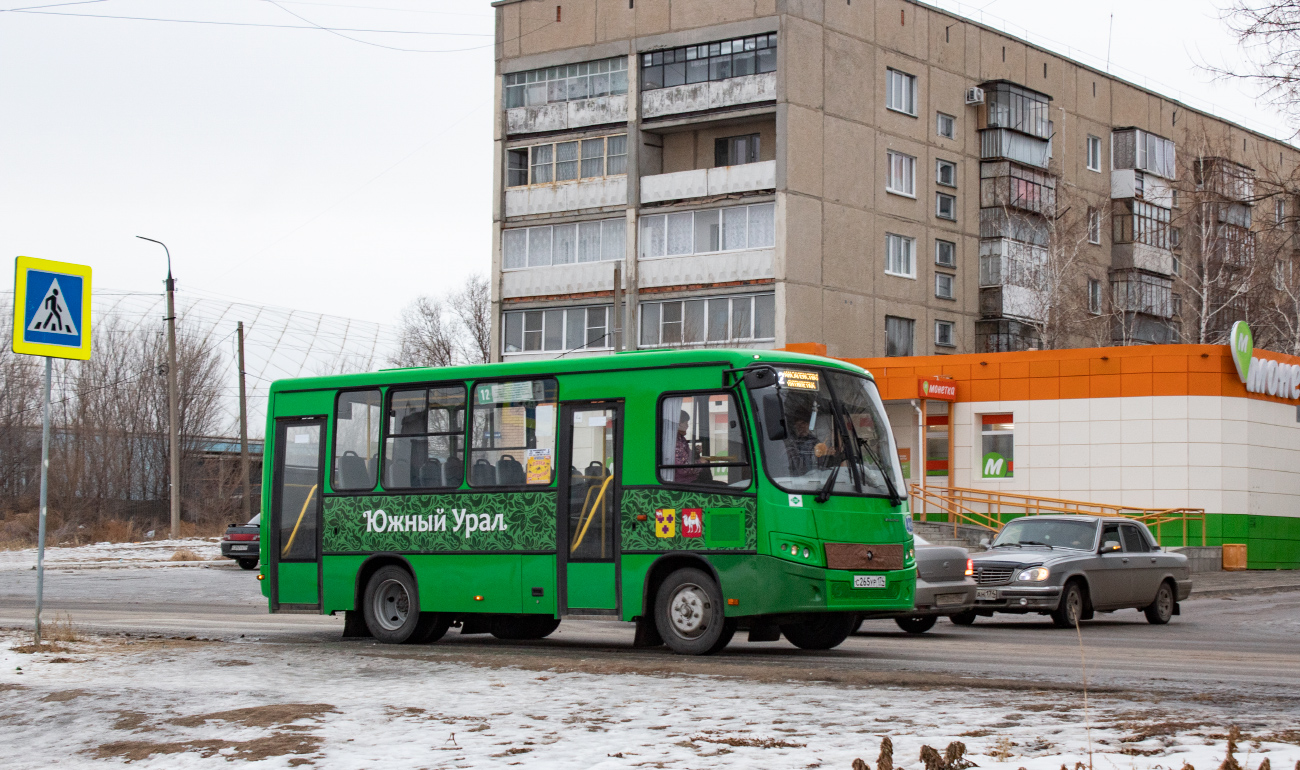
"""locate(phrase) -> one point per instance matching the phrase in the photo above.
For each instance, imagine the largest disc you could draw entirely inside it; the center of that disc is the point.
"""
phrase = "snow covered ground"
(154, 553)
(167, 703)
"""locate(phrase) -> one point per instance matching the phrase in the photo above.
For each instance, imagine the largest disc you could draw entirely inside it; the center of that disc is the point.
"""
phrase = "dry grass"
(60, 629)
(185, 554)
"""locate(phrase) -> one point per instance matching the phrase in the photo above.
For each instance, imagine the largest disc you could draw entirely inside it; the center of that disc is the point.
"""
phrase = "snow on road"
(164, 703)
(154, 553)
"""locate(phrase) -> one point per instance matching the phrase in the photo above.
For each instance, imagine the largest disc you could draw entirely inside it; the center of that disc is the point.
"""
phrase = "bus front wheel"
(689, 613)
(392, 609)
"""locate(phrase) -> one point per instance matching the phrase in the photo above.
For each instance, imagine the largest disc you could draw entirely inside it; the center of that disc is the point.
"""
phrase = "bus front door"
(588, 527)
(296, 507)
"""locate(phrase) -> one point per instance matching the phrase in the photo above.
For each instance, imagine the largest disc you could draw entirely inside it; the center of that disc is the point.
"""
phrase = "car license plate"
(239, 548)
(986, 595)
(947, 600)
(868, 581)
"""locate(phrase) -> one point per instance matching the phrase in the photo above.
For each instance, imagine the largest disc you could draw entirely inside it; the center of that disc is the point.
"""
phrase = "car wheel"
(1068, 613)
(1162, 609)
(524, 627)
(689, 614)
(392, 609)
(821, 632)
(917, 624)
(248, 563)
(966, 618)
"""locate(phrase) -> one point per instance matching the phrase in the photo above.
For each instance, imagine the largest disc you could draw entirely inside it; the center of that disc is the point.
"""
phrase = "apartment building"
(878, 176)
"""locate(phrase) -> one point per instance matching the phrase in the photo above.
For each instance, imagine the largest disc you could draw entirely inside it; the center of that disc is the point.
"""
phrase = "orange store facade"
(1161, 426)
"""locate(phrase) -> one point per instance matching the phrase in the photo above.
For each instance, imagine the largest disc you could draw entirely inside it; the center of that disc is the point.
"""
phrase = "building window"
(599, 241)
(943, 283)
(898, 336)
(945, 206)
(998, 446)
(1279, 211)
(709, 230)
(1094, 225)
(902, 174)
(945, 126)
(593, 158)
(946, 173)
(1094, 296)
(943, 334)
(735, 150)
(567, 82)
(1140, 222)
(557, 329)
(708, 320)
(710, 61)
(900, 255)
(1094, 153)
(900, 92)
(945, 253)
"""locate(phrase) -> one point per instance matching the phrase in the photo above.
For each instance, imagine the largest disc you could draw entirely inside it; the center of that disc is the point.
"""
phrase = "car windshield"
(834, 424)
(1057, 533)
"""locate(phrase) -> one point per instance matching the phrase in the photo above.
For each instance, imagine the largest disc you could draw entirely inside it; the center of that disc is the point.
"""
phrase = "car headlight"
(1037, 574)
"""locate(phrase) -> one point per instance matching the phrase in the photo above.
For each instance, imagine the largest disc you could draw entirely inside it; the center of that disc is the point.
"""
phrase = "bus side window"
(425, 444)
(512, 441)
(357, 416)
(701, 442)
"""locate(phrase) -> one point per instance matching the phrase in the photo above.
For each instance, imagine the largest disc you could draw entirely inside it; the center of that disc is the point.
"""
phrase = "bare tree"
(426, 335)
(473, 308)
(1268, 32)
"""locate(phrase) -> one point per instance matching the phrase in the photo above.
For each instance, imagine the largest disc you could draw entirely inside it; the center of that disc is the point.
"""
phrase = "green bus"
(692, 492)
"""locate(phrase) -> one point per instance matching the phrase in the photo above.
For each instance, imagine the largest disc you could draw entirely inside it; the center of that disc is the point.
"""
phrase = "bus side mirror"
(760, 378)
(773, 417)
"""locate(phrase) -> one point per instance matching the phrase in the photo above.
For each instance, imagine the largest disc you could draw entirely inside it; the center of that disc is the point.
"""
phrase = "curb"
(1220, 593)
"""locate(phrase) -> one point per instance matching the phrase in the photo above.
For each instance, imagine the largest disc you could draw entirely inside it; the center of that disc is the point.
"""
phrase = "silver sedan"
(943, 587)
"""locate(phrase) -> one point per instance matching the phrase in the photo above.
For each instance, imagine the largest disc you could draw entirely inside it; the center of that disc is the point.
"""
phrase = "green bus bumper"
(767, 585)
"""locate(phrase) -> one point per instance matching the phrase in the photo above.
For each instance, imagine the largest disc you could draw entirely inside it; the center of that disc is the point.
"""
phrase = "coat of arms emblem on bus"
(692, 522)
(665, 522)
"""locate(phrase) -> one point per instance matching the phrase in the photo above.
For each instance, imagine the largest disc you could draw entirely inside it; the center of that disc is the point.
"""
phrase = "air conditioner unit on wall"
(974, 95)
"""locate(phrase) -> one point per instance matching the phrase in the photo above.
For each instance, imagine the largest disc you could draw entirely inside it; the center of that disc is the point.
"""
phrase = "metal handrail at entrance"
(989, 509)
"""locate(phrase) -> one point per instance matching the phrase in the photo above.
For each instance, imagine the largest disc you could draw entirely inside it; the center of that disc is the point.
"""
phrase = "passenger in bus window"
(683, 455)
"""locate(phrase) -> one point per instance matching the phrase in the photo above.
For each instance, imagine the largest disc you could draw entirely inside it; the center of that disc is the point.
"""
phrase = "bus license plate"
(986, 595)
(868, 581)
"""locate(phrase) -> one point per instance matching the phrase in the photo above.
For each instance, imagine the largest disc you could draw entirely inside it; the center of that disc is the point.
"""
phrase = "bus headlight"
(1037, 574)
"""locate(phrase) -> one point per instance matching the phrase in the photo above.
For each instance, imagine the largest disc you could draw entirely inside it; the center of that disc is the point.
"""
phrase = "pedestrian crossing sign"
(51, 309)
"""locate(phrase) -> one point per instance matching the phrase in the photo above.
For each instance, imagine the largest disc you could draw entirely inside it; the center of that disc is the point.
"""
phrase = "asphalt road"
(1218, 647)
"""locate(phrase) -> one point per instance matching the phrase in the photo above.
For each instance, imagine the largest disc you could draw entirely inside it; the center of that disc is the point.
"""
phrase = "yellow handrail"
(310, 493)
(590, 514)
(960, 505)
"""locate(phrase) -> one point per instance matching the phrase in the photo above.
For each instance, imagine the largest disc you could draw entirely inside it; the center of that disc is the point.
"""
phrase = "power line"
(381, 8)
(309, 25)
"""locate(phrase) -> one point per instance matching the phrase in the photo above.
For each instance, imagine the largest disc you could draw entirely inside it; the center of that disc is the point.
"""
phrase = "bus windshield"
(831, 424)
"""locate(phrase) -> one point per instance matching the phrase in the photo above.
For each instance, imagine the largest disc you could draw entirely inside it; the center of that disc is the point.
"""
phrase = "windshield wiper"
(825, 494)
(894, 497)
(1034, 542)
(1006, 545)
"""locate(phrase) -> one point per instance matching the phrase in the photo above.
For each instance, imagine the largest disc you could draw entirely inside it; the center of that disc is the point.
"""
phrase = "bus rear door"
(587, 555)
(296, 512)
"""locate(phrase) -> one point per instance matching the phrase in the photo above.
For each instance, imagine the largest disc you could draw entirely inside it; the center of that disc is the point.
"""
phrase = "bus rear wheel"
(392, 610)
(689, 614)
(821, 632)
(524, 627)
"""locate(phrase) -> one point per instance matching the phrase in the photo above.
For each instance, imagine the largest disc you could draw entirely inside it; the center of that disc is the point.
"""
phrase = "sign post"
(51, 319)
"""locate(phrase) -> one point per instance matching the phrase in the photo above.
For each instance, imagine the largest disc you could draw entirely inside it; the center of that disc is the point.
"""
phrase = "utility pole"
(173, 429)
(243, 429)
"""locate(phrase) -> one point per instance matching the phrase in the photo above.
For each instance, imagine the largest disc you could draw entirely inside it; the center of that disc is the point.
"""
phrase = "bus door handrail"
(589, 514)
(310, 494)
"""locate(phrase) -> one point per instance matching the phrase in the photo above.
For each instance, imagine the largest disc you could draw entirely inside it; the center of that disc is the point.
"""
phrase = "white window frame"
(938, 125)
(939, 200)
(617, 236)
(952, 334)
(1092, 153)
(939, 166)
(661, 221)
(951, 282)
(900, 255)
(906, 174)
(938, 247)
(1094, 225)
(606, 343)
(1094, 296)
(554, 160)
(900, 92)
(734, 303)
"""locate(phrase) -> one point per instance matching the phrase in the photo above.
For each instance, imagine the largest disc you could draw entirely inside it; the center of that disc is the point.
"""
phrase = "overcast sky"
(299, 168)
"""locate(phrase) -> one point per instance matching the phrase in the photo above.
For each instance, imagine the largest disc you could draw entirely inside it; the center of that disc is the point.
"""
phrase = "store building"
(880, 176)
(1146, 427)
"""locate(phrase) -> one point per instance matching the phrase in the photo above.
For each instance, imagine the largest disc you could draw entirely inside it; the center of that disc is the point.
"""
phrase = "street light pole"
(173, 429)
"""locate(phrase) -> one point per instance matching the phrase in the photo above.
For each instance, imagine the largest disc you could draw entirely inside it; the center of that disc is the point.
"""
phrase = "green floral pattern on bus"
(641, 536)
(515, 521)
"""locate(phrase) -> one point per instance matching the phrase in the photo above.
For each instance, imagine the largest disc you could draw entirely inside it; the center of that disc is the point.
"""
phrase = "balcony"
(1135, 149)
(1142, 256)
(558, 279)
(1225, 178)
(563, 116)
(706, 182)
(1008, 185)
(1132, 183)
(1133, 291)
(1005, 262)
(1013, 302)
(1005, 336)
(1004, 144)
(718, 268)
(567, 196)
(708, 95)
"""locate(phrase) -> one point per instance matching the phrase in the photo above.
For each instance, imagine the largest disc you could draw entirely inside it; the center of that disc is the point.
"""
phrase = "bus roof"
(644, 359)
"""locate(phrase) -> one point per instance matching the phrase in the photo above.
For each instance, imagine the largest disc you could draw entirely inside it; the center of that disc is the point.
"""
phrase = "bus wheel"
(392, 607)
(689, 614)
(524, 627)
(821, 632)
